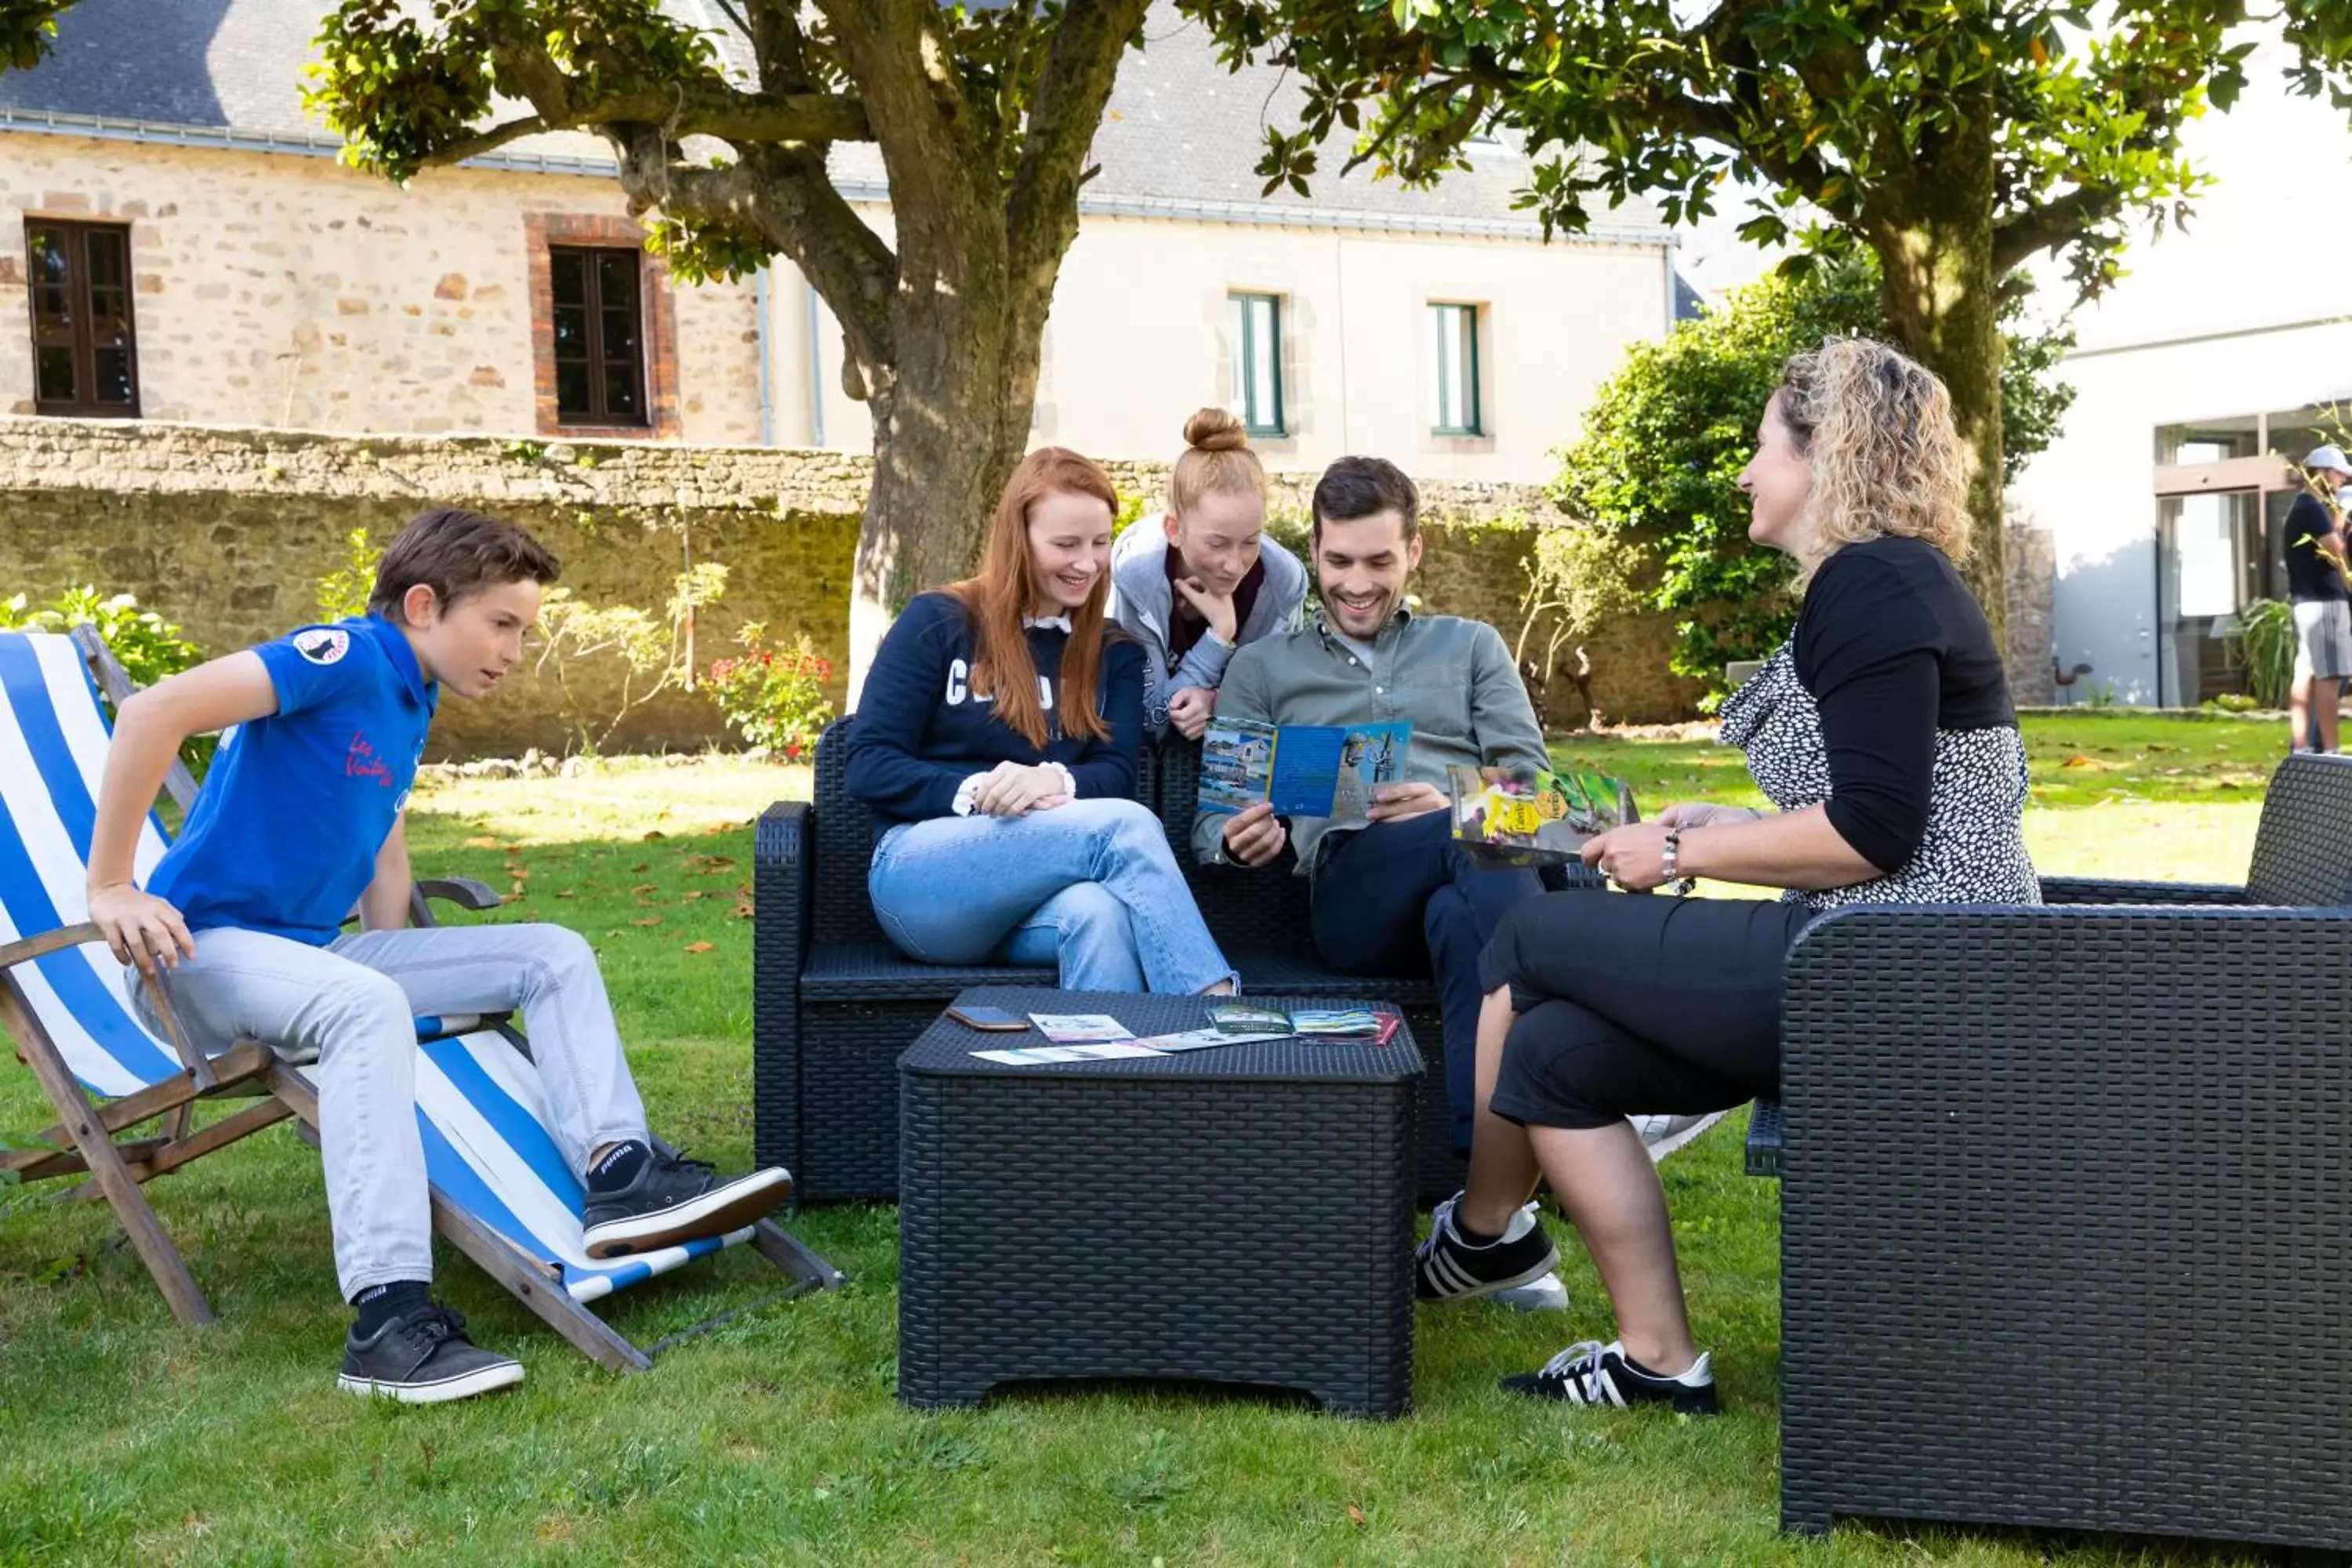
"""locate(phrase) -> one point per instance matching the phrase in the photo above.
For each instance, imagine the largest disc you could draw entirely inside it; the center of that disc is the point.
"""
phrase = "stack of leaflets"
(1099, 1037)
(1530, 816)
(1305, 770)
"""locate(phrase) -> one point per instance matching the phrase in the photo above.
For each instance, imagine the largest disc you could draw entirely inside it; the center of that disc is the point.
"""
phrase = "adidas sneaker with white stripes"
(1518, 1268)
(1589, 1372)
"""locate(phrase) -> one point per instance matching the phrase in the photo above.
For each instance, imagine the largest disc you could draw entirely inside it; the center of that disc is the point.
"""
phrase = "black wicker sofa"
(834, 1003)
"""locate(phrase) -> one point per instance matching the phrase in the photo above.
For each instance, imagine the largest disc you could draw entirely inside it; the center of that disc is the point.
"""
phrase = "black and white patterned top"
(1900, 657)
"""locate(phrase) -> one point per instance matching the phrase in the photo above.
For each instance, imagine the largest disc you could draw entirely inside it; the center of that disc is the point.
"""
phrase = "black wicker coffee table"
(1239, 1215)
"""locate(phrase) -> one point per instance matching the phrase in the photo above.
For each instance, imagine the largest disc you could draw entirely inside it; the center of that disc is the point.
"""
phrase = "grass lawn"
(124, 1437)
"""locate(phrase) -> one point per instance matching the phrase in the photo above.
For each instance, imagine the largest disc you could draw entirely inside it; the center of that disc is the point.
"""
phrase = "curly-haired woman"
(1883, 733)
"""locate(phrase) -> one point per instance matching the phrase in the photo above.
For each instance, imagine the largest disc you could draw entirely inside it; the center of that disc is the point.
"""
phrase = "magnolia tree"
(983, 116)
(1953, 142)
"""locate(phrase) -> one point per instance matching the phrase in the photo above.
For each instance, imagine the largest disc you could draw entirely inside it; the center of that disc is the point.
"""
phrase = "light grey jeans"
(354, 1005)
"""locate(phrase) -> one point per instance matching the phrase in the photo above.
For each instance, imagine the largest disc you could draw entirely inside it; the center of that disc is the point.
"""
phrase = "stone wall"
(228, 531)
(277, 290)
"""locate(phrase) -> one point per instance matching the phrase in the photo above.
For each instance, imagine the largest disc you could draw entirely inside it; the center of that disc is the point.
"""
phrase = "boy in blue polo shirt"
(300, 822)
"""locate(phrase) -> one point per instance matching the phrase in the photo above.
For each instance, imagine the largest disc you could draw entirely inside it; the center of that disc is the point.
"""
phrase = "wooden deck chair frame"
(87, 1137)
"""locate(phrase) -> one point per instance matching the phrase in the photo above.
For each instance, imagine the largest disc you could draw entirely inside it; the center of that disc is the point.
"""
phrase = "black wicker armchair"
(2067, 1201)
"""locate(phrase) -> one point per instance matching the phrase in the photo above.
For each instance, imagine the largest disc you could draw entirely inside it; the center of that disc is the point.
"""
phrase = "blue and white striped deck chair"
(502, 1193)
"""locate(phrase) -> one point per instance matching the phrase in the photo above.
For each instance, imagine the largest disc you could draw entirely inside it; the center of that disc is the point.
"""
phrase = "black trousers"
(1401, 898)
(1631, 1005)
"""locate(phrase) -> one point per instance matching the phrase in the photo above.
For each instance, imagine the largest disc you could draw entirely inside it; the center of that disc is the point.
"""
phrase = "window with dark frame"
(85, 360)
(1258, 363)
(600, 358)
(1454, 406)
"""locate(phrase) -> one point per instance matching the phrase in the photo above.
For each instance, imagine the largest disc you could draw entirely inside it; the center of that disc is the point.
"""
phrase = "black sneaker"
(672, 1200)
(424, 1358)
(1447, 1268)
(1594, 1373)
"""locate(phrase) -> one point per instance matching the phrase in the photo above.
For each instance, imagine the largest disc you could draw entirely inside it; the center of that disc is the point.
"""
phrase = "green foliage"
(774, 698)
(28, 30)
(2265, 645)
(148, 646)
(1656, 467)
(1578, 577)
(343, 591)
(651, 648)
(1826, 107)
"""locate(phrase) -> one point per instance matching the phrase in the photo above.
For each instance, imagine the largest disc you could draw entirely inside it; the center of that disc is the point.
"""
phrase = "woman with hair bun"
(1208, 581)
(1883, 733)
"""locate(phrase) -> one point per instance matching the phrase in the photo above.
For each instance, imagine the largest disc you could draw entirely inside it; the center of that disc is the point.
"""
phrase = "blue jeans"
(1091, 886)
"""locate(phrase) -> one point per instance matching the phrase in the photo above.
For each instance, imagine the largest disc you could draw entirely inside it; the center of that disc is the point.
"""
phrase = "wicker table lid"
(945, 1049)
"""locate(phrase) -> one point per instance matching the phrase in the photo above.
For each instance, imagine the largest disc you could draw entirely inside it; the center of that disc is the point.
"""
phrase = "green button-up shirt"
(1453, 679)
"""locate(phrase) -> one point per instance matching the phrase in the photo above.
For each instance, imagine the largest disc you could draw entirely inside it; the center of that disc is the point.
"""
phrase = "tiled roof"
(1182, 132)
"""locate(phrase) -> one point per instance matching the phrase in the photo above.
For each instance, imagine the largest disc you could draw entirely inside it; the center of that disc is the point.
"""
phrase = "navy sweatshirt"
(920, 733)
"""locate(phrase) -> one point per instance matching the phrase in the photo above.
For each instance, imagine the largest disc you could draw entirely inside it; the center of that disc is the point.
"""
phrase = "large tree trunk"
(1933, 236)
(943, 444)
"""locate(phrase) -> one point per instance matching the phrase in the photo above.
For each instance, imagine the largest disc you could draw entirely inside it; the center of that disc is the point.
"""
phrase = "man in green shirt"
(1395, 894)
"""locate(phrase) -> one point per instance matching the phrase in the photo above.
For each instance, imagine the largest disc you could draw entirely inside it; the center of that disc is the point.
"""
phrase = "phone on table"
(992, 1019)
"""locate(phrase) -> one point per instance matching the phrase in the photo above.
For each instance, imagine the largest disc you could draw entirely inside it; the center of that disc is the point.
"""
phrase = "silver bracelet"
(1673, 855)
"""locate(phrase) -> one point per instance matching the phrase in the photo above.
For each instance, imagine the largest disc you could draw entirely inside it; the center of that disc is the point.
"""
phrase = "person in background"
(1207, 580)
(996, 742)
(2321, 598)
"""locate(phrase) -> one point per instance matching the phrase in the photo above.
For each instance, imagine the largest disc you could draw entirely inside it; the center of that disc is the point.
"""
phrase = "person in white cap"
(2321, 588)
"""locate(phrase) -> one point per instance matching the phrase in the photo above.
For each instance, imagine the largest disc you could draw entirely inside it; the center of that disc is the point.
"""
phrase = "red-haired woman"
(996, 742)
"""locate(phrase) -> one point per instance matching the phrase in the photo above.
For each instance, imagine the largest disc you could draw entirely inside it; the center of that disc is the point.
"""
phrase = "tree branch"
(2017, 238)
(1074, 87)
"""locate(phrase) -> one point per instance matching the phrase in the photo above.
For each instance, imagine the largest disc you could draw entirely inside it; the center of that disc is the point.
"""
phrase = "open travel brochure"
(1530, 816)
(1306, 770)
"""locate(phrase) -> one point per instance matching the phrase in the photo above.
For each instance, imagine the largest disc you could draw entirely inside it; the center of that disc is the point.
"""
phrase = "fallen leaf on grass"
(1355, 1514)
(485, 844)
(700, 946)
(692, 894)
(641, 866)
(714, 862)
(648, 920)
(563, 892)
(741, 911)
(657, 833)
(646, 888)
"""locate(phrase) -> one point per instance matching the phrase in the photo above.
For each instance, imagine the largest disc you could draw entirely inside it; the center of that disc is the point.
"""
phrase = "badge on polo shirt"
(322, 645)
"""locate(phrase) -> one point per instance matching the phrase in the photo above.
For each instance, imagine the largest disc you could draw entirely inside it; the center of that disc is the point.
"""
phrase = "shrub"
(148, 646)
(652, 649)
(1666, 436)
(2265, 639)
(773, 697)
(342, 593)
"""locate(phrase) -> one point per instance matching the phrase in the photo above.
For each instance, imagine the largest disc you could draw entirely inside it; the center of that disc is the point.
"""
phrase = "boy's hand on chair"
(139, 927)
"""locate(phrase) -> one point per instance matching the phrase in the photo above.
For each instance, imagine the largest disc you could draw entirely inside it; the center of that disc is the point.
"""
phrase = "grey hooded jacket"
(1142, 600)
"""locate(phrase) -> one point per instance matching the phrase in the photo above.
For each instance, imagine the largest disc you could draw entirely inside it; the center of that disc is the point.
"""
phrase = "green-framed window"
(1257, 363)
(1454, 386)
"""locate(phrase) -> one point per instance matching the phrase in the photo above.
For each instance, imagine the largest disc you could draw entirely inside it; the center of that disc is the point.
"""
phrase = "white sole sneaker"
(1549, 1294)
(723, 1209)
(481, 1380)
(1664, 1134)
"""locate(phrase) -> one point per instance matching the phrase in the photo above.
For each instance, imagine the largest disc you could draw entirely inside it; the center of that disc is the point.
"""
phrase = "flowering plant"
(773, 697)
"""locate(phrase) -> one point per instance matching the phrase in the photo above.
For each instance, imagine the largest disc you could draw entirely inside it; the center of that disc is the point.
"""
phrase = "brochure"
(1240, 1018)
(1333, 1023)
(1201, 1040)
(1035, 1056)
(1306, 770)
(1529, 817)
(1080, 1028)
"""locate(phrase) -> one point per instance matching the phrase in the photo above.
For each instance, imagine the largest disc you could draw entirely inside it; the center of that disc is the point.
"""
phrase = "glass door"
(2212, 559)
